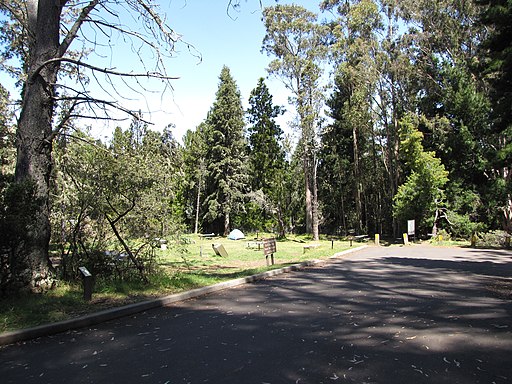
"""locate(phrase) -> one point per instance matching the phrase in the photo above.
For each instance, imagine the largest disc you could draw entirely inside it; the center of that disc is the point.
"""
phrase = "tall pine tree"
(266, 158)
(266, 154)
(226, 180)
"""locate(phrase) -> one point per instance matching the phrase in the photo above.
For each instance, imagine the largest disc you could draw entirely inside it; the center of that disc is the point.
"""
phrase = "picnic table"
(206, 236)
(254, 244)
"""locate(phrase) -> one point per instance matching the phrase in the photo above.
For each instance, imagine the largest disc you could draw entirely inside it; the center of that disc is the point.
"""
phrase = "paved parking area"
(382, 315)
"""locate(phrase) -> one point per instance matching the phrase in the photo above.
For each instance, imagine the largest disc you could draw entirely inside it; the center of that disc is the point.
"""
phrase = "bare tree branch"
(108, 71)
(64, 46)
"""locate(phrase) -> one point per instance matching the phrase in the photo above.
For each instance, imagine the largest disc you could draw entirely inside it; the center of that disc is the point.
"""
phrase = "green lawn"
(195, 266)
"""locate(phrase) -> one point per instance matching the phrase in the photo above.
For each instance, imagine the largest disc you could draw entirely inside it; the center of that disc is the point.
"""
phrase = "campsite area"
(190, 264)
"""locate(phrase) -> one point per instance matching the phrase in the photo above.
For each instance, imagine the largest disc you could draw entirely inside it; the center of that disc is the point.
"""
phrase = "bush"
(493, 239)
(461, 226)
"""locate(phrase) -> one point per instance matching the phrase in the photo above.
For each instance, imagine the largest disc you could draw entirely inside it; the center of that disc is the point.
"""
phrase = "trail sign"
(411, 227)
(269, 248)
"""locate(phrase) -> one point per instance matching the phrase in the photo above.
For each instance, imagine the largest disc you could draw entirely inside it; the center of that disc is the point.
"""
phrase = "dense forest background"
(403, 111)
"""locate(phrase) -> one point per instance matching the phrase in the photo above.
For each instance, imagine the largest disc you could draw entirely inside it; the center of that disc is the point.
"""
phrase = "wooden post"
(87, 279)
(377, 239)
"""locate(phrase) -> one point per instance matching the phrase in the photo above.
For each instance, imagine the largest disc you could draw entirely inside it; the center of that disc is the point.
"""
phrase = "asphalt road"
(382, 315)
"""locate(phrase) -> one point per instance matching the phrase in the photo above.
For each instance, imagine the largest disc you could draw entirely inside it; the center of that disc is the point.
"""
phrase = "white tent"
(236, 234)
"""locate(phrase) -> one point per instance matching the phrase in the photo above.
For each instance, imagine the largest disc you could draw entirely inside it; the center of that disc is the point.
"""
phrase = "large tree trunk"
(314, 205)
(198, 204)
(281, 227)
(309, 203)
(34, 144)
(507, 215)
(507, 208)
(312, 222)
(357, 183)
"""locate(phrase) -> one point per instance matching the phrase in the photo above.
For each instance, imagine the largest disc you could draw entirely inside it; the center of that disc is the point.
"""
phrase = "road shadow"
(364, 320)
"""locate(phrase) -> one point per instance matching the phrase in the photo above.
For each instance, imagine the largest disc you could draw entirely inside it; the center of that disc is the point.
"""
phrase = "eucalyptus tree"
(40, 35)
(496, 55)
(347, 142)
(297, 41)
(225, 160)
(445, 41)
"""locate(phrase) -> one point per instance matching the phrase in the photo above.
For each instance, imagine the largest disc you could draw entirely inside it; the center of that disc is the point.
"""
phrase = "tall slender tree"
(353, 50)
(296, 40)
(226, 164)
(266, 153)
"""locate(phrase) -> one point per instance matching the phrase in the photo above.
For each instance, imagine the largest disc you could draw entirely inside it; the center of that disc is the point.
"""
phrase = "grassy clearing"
(195, 266)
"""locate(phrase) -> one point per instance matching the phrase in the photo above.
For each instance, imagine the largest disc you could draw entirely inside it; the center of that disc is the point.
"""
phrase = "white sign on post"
(411, 227)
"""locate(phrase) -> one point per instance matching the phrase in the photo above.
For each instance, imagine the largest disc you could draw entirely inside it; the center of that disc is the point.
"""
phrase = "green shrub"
(493, 239)
(461, 226)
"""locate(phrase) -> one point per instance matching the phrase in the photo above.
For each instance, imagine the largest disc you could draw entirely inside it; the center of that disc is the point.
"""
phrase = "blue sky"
(220, 37)
(232, 39)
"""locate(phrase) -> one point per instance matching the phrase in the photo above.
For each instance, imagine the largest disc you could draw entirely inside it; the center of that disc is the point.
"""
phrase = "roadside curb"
(114, 313)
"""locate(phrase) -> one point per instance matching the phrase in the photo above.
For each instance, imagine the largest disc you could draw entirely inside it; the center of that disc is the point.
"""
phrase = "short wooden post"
(406, 239)
(87, 280)
(377, 239)
(351, 233)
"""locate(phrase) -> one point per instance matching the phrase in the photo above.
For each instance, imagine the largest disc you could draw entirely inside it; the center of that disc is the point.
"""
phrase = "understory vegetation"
(189, 263)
